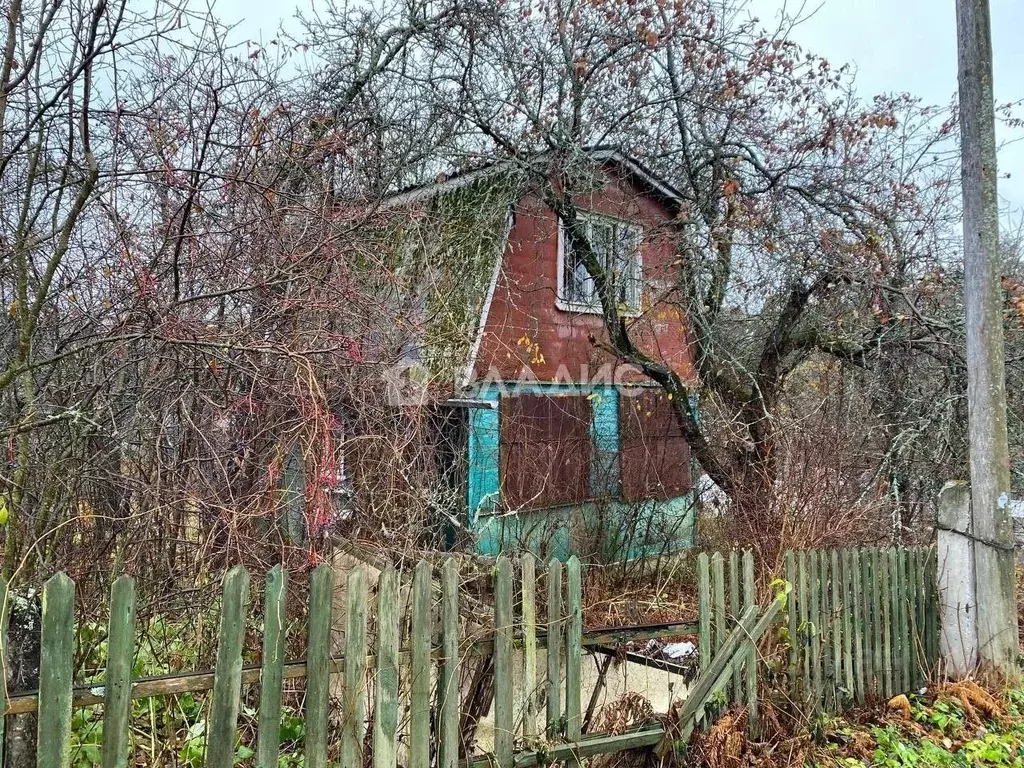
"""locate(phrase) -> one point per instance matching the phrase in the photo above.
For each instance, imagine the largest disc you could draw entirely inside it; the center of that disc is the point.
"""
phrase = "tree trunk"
(23, 636)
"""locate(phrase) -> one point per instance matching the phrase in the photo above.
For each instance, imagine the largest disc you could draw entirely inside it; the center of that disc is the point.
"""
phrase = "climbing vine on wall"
(445, 253)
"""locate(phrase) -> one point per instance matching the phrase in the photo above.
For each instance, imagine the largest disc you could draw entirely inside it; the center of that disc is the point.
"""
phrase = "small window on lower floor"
(654, 456)
(545, 451)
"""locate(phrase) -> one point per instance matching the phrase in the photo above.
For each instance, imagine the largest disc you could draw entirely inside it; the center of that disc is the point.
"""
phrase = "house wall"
(531, 346)
(615, 529)
(527, 337)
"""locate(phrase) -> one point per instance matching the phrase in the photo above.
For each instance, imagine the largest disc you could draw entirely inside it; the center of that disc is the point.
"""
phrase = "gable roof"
(630, 166)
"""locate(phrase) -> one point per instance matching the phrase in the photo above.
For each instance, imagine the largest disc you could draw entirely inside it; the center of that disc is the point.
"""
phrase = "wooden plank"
(573, 650)
(554, 648)
(895, 630)
(910, 620)
(915, 562)
(4, 613)
(749, 629)
(734, 615)
(877, 623)
(815, 617)
(825, 596)
(318, 674)
(601, 744)
(805, 630)
(835, 628)
(920, 618)
(504, 724)
(887, 576)
(448, 681)
(932, 596)
(56, 657)
(353, 723)
(385, 710)
(704, 644)
(875, 614)
(906, 607)
(420, 643)
(902, 633)
(117, 681)
(858, 626)
(227, 684)
(718, 609)
(803, 565)
(619, 635)
(751, 664)
(848, 609)
(275, 618)
(529, 602)
(792, 623)
(718, 597)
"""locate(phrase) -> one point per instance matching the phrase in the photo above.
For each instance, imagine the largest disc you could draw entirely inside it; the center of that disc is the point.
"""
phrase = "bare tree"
(811, 223)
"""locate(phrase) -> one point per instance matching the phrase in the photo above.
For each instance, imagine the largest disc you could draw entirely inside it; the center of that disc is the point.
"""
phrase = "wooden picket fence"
(57, 694)
(723, 599)
(863, 624)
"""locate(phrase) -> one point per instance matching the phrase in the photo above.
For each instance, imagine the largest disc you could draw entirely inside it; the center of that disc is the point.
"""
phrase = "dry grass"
(658, 597)
(786, 741)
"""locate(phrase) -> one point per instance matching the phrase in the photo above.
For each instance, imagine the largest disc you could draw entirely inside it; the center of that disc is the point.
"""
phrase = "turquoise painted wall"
(622, 530)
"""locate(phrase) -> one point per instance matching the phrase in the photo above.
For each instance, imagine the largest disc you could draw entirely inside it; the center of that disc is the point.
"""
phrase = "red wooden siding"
(545, 451)
(527, 335)
(653, 455)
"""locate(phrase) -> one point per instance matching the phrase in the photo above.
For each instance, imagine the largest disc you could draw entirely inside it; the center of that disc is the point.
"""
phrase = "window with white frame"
(616, 244)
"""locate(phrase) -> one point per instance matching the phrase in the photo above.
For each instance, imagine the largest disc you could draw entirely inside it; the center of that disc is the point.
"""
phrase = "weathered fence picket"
(318, 655)
(846, 585)
(227, 681)
(554, 648)
(503, 712)
(353, 728)
(573, 650)
(704, 608)
(117, 682)
(5, 609)
(528, 591)
(750, 681)
(420, 638)
(814, 625)
(448, 681)
(861, 624)
(734, 613)
(274, 627)
(56, 651)
(385, 710)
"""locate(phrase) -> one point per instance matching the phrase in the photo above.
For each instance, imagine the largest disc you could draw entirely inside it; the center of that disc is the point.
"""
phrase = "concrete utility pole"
(992, 527)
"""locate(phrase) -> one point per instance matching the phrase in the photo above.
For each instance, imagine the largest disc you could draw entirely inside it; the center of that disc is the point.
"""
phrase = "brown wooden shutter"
(653, 455)
(545, 451)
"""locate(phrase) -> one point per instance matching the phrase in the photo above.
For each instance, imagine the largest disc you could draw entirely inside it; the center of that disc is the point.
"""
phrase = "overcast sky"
(895, 45)
(910, 46)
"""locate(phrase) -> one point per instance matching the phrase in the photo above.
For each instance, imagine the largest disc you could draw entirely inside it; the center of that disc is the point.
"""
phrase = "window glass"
(616, 245)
